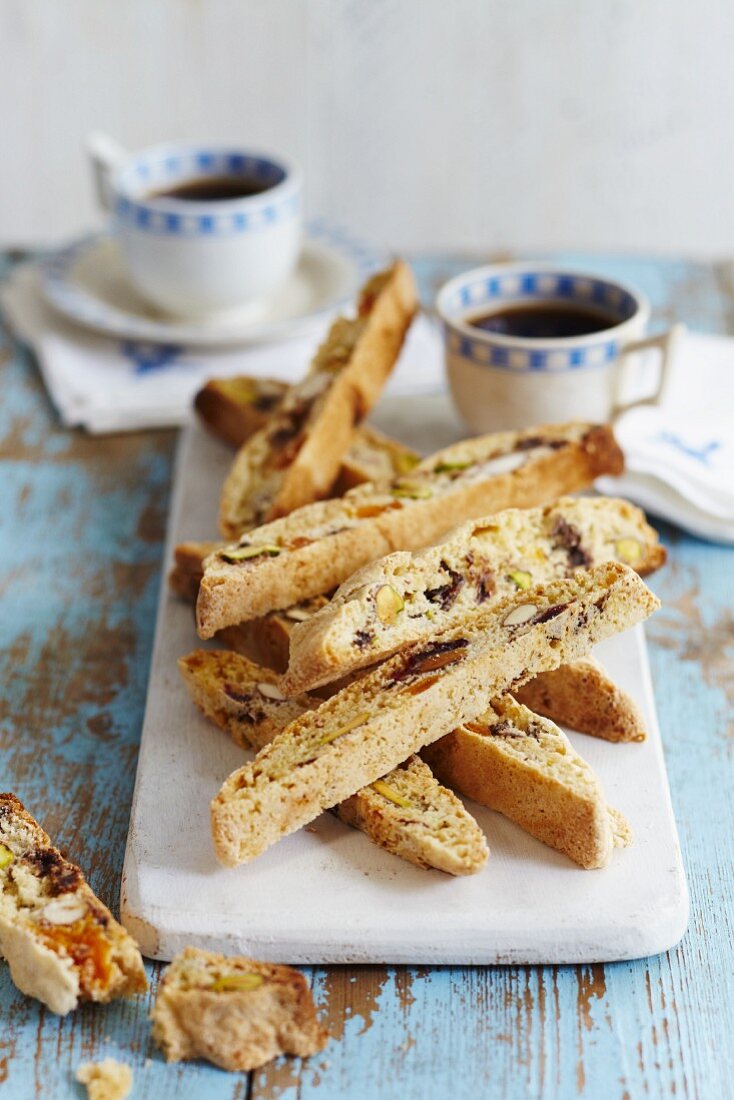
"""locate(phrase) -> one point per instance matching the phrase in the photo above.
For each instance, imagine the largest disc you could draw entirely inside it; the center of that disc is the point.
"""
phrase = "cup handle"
(105, 155)
(666, 343)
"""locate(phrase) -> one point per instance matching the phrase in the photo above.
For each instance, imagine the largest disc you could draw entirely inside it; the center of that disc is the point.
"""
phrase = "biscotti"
(61, 943)
(266, 641)
(397, 600)
(296, 457)
(319, 546)
(233, 409)
(405, 812)
(235, 1012)
(369, 727)
(188, 567)
(523, 766)
(373, 456)
(582, 697)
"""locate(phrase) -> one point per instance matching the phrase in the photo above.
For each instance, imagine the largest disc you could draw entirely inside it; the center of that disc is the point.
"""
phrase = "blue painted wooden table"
(81, 528)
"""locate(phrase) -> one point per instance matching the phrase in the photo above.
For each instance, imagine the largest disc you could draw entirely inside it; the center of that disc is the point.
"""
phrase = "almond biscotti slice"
(319, 546)
(61, 943)
(235, 1012)
(370, 726)
(406, 812)
(582, 697)
(296, 457)
(523, 766)
(399, 599)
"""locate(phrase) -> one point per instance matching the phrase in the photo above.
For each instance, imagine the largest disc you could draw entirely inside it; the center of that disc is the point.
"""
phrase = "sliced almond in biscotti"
(414, 698)
(406, 811)
(236, 1012)
(295, 457)
(397, 600)
(62, 944)
(522, 765)
(319, 546)
(582, 697)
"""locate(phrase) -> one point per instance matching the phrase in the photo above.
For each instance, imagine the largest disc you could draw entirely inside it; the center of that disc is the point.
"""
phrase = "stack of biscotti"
(413, 698)
(295, 457)
(320, 545)
(579, 695)
(406, 812)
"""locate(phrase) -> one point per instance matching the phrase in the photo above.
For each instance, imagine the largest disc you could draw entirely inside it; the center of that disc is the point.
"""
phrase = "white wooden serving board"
(328, 895)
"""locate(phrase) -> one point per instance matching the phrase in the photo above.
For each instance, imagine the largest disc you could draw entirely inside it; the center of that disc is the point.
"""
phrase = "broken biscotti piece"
(319, 546)
(61, 943)
(582, 697)
(370, 726)
(107, 1080)
(523, 766)
(406, 812)
(296, 457)
(235, 1012)
(397, 600)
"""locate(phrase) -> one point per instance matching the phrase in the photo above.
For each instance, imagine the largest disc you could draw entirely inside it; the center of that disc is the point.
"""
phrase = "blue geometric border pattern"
(512, 286)
(522, 359)
(151, 175)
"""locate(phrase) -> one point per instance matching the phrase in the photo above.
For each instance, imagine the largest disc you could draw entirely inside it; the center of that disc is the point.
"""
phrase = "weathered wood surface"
(81, 524)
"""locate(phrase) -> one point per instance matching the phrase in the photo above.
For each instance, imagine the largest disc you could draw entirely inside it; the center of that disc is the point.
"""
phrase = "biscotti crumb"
(107, 1080)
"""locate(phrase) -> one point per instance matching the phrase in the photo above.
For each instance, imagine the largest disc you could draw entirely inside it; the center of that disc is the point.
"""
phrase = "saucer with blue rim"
(86, 281)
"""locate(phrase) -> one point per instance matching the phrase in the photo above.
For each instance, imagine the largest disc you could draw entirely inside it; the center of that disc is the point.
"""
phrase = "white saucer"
(87, 282)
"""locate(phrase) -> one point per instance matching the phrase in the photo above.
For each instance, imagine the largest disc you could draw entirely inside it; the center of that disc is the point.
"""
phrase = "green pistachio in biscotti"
(413, 490)
(245, 553)
(388, 604)
(520, 578)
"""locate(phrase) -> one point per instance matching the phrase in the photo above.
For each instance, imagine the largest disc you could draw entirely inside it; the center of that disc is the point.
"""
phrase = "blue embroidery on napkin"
(149, 357)
(700, 454)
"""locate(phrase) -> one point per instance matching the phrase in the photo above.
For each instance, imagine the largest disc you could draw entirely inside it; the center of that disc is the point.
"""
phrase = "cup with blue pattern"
(500, 379)
(193, 258)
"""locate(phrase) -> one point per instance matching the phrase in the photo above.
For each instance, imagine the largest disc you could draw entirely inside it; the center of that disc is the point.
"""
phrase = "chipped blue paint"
(70, 544)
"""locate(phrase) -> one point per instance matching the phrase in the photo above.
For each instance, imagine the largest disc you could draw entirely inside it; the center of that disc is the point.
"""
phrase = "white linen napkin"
(108, 385)
(680, 454)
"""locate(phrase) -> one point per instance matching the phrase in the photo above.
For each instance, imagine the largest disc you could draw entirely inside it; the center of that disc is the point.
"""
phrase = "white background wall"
(480, 124)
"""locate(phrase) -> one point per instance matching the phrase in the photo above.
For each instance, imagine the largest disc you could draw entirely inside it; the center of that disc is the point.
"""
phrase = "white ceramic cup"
(192, 259)
(505, 382)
